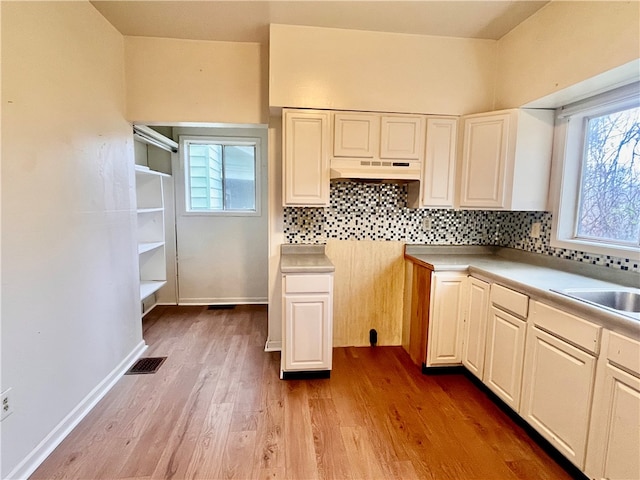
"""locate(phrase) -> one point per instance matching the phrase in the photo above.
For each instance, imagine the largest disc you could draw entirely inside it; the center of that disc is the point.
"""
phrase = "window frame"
(255, 142)
(568, 154)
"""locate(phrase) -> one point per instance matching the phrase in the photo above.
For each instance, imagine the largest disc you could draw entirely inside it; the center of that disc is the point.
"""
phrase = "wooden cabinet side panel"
(420, 303)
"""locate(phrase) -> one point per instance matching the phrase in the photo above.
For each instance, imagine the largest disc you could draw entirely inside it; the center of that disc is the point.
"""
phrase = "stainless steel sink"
(626, 301)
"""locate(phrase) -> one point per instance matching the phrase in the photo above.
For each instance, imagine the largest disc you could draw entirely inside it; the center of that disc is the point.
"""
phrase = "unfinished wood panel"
(368, 291)
(420, 302)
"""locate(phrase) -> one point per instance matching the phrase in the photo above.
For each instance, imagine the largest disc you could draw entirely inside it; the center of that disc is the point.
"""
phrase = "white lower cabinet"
(505, 356)
(446, 318)
(614, 436)
(308, 322)
(475, 326)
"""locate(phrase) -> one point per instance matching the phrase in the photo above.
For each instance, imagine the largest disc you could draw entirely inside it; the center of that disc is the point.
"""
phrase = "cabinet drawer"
(510, 300)
(307, 283)
(624, 351)
(564, 325)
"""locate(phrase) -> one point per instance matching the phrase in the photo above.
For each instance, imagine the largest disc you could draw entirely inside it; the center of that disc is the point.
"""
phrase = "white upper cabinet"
(402, 137)
(306, 157)
(378, 136)
(356, 135)
(506, 160)
(438, 170)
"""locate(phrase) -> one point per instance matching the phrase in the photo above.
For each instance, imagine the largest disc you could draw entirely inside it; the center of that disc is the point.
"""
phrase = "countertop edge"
(596, 315)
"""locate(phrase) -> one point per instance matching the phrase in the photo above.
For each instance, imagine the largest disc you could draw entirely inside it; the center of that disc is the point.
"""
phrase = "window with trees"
(599, 195)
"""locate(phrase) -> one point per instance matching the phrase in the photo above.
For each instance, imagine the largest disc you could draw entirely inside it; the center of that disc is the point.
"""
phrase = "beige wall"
(564, 44)
(70, 302)
(357, 70)
(171, 81)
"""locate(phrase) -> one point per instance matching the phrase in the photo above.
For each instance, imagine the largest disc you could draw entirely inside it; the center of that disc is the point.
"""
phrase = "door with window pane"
(221, 224)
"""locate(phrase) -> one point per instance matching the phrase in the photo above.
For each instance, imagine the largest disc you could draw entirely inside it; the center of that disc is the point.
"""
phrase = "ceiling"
(248, 21)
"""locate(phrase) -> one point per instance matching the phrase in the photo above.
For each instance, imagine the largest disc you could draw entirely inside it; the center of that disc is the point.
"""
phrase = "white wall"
(564, 44)
(172, 81)
(70, 312)
(331, 68)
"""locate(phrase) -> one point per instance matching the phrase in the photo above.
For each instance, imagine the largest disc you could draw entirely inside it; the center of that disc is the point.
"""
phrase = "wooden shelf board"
(150, 210)
(147, 171)
(149, 287)
(148, 246)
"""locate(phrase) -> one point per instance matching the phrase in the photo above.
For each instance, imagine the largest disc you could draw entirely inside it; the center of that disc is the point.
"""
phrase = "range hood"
(360, 169)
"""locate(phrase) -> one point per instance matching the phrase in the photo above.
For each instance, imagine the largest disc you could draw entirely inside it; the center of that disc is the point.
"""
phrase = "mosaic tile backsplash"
(377, 211)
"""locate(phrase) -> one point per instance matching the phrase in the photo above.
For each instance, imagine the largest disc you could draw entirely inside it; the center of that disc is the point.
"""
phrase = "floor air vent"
(221, 307)
(146, 365)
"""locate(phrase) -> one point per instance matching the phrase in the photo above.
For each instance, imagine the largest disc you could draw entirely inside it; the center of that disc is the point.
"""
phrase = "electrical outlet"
(426, 224)
(535, 230)
(6, 400)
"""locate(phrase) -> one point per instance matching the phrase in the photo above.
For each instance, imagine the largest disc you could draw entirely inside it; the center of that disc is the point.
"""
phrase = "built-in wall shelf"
(149, 288)
(150, 234)
(148, 246)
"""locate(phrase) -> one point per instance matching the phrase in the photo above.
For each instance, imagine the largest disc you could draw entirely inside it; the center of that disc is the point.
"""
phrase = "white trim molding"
(567, 170)
(38, 455)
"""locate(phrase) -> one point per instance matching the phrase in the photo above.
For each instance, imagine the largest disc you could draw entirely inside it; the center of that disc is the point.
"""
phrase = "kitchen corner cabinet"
(475, 327)
(506, 159)
(614, 435)
(308, 322)
(306, 156)
(506, 335)
(150, 233)
(559, 374)
(448, 290)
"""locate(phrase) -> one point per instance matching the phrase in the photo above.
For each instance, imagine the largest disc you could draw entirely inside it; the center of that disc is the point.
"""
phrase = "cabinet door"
(402, 137)
(308, 332)
(438, 170)
(614, 435)
(484, 161)
(475, 327)
(445, 322)
(306, 158)
(356, 135)
(505, 356)
(556, 399)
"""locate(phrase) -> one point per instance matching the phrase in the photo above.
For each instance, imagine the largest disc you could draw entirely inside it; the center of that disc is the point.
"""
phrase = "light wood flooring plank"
(217, 409)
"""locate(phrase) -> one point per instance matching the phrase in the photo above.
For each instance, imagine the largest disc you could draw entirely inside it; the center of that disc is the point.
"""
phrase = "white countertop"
(537, 282)
(304, 259)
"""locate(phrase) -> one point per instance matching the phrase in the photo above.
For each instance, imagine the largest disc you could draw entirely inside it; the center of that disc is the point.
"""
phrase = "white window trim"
(220, 140)
(566, 171)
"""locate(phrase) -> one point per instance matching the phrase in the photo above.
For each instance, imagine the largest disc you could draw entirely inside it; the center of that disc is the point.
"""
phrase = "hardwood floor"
(217, 409)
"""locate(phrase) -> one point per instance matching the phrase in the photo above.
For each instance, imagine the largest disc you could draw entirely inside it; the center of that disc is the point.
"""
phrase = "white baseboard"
(273, 346)
(223, 301)
(38, 455)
